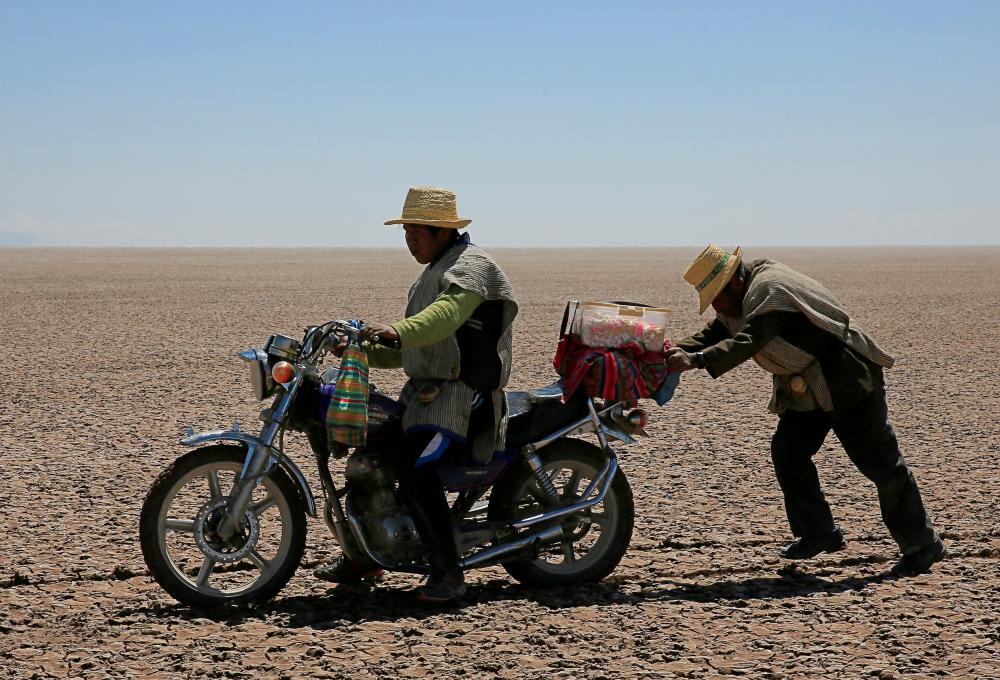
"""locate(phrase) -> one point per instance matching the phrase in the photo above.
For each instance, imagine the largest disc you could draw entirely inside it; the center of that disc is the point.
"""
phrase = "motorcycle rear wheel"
(190, 561)
(584, 555)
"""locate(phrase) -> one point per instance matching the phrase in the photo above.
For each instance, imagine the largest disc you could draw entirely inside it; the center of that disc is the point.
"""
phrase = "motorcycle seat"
(535, 413)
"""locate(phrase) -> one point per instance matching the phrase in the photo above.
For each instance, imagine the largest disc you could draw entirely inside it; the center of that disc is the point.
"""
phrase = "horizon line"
(396, 248)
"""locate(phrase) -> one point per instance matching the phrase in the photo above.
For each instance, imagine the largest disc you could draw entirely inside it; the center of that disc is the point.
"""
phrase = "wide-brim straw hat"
(431, 206)
(711, 271)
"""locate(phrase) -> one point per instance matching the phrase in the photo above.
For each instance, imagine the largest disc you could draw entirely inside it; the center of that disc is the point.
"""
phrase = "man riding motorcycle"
(455, 348)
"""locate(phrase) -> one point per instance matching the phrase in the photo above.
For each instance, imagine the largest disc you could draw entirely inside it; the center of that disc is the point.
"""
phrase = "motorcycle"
(226, 522)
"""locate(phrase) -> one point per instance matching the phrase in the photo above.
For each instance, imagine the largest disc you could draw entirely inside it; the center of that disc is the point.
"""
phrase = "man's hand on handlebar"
(380, 332)
(335, 344)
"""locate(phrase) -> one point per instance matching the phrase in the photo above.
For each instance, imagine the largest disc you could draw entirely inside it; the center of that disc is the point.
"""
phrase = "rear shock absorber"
(542, 477)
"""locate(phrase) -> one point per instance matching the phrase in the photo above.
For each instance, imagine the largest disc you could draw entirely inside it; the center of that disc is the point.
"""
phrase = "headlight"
(260, 380)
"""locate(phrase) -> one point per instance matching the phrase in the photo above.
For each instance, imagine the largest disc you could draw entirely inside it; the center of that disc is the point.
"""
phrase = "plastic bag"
(347, 414)
(610, 324)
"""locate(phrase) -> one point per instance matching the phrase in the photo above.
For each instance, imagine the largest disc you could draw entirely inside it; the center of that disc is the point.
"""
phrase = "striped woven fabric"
(347, 414)
(624, 373)
(773, 287)
(469, 267)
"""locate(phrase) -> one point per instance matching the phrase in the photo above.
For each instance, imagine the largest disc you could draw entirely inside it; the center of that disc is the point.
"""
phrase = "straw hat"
(431, 206)
(711, 271)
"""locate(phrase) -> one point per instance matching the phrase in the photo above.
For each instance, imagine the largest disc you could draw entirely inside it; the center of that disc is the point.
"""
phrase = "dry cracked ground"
(108, 354)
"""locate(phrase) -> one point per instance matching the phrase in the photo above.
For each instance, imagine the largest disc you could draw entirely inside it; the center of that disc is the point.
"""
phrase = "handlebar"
(317, 337)
(385, 342)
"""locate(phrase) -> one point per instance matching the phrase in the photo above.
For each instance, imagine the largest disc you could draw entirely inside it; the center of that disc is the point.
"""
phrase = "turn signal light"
(282, 372)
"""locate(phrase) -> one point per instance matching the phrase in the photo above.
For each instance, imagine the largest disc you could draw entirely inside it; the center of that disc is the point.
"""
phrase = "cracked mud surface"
(109, 354)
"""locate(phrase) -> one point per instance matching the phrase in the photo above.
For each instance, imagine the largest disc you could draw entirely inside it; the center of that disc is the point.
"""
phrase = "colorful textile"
(347, 414)
(625, 373)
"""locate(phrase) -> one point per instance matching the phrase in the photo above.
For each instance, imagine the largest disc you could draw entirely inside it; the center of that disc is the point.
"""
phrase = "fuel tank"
(385, 418)
(385, 414)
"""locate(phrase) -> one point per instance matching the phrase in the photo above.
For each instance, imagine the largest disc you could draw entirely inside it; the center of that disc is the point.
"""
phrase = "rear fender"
(582, 427)
(251, 444)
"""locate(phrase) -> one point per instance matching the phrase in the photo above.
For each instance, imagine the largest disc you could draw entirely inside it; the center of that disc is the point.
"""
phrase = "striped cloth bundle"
(347, 414)
(625, 373)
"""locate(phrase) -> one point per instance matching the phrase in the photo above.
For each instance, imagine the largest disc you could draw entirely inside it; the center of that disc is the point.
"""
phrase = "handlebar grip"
(385, 342)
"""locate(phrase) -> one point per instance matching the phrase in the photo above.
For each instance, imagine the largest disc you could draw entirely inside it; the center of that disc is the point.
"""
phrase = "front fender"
(252, 443)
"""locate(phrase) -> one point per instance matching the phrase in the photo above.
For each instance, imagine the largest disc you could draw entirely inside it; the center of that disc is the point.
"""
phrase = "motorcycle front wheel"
(594, 540)
(185, 553)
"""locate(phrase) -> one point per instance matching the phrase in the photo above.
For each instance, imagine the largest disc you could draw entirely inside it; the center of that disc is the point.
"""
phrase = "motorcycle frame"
(262, 456)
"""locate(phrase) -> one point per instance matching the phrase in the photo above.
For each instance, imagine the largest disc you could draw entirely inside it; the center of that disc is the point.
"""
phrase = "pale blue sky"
(558, 123)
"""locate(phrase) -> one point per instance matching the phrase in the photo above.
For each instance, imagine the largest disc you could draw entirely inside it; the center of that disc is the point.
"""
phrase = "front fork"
(258, 462)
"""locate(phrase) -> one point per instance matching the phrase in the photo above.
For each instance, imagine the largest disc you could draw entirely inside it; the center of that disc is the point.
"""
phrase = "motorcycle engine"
(389, 530)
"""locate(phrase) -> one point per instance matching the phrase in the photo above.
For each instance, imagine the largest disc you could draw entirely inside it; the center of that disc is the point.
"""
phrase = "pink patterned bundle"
(601, 324)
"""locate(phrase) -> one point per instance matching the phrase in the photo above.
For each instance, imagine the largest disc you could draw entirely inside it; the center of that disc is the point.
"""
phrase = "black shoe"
(920, 562)
(343, 570)
(443, 586)
(810, 546)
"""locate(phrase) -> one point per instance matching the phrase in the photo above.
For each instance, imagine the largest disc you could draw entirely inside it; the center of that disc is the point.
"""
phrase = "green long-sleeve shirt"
(848, 375)
(435, 322)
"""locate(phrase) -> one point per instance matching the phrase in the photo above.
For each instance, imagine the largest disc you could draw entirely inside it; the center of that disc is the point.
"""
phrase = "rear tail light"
(638, 418)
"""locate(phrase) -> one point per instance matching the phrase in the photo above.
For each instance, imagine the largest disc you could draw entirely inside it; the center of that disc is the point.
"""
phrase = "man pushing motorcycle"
(455, 346)
(827, 376)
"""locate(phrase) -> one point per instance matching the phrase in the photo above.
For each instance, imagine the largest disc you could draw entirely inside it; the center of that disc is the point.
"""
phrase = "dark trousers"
(420, 487)
(870, 443)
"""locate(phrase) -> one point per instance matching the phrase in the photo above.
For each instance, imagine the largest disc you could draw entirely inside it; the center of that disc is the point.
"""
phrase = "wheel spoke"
(205, 572)
(538, 494)
(260, 506)
(213, 485)
(258, 559)
(185, 526)
(567, 550)
(598, 518)
(573, 485)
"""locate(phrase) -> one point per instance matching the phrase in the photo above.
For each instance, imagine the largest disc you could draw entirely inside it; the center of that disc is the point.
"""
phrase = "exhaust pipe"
(494, 553)
(345, 538)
